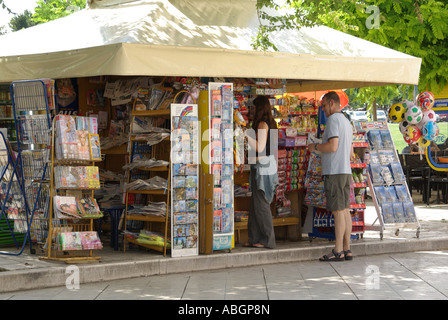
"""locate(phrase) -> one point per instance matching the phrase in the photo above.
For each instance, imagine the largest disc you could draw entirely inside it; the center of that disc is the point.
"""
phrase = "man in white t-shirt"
(336, 149)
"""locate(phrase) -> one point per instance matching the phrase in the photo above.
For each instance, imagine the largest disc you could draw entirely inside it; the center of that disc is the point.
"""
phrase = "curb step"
(55, 276)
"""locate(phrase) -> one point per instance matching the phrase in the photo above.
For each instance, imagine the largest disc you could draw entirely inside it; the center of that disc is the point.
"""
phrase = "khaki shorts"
(337, 191)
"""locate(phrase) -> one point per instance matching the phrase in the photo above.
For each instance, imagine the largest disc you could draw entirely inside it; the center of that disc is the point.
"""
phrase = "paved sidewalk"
(401, 276)
(27, 271)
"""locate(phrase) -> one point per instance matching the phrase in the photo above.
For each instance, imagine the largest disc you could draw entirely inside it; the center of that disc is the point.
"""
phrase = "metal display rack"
(29, 176)
(387, 182)
(11, 196)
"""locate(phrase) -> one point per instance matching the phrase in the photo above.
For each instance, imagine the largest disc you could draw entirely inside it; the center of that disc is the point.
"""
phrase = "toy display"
(396, 112)
(430, 131)
(413, 114)
(425, 100)
(418, 126)
(412, 134)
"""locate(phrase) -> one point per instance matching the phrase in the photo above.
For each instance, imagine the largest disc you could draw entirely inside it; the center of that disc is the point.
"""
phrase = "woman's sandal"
(348, 257)
(333, 256)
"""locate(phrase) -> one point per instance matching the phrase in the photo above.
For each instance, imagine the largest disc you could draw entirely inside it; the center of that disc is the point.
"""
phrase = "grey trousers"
(259, 225)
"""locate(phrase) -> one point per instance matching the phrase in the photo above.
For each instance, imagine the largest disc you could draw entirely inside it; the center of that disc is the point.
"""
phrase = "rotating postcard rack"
(24, 198)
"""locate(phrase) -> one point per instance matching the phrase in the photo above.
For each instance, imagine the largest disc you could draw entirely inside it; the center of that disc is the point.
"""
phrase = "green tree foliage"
(48, 10)
(21, 21)
(415, 27)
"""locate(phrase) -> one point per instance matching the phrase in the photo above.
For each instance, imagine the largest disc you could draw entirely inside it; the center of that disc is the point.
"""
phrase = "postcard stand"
(387, 182)
(185, 155)
(221, 163)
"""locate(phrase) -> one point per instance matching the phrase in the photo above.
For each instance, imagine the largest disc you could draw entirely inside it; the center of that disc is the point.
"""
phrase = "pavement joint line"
(342, 278)
(415, 274)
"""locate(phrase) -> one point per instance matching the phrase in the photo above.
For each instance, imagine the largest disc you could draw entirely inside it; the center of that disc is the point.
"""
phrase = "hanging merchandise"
(396, 112)
(425, 100)
(184, 179)
(417, 121)
(413, 114)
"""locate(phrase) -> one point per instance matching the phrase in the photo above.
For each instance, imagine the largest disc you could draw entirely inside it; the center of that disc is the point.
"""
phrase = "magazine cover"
(83, 144)
(95, 148)
(93, 125)
(88, 207)
(90, 240)
(65, 207)
(92, 177)
(66, 137)
(69, 241)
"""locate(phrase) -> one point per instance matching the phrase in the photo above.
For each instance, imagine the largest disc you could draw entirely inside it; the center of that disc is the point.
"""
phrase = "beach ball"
(430, 131)
(429, 115)
(396, 112)
(413, 114)
(412, 135)
(425, 100)
(406, 103)
(403, 126)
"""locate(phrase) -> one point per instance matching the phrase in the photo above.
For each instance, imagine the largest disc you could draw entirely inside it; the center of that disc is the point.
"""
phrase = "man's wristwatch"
(315, 148)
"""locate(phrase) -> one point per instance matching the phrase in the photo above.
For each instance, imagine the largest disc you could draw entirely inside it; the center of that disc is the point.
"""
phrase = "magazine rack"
(32, 102)
(387, 182)
(11, 193)
(152, 227)
(66, 235)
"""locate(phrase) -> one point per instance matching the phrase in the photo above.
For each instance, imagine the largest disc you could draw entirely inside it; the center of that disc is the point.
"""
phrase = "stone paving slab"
(27, 271)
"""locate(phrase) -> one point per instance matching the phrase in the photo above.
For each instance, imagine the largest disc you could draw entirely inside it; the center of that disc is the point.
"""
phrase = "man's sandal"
(333, 256)
(348, 257)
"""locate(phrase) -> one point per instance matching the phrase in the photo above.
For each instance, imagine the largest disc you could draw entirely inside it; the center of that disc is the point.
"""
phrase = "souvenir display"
(396, 112)
(425, 100)
(221, 160)
(185, 180)
(387, 181)
(419, 124)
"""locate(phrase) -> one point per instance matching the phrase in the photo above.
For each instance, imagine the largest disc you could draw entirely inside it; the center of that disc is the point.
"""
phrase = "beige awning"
(195, 38)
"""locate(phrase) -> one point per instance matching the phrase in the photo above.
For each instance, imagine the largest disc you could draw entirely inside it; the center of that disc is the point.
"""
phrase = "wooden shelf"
(165, 113)
(285, 221)
(72, 259)
(135, 139)
(158, 168)
(140, 217)
(151, 113)
(158, 191)
(157, 248)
